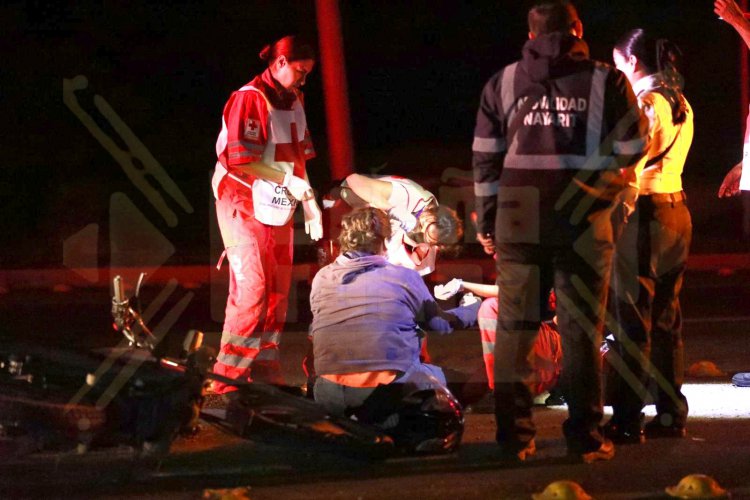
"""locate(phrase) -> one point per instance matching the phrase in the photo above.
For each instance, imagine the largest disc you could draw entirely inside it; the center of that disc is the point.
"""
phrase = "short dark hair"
(552, 16)
(364, 230)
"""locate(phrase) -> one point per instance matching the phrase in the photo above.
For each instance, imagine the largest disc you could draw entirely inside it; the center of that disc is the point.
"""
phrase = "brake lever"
(125, 317)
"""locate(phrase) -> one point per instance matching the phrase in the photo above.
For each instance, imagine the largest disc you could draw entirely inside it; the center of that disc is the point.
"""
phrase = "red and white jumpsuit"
(261, 122)
(545, 356)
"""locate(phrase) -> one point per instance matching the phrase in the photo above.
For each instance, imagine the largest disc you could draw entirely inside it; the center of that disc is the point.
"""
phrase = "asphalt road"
(217, 463)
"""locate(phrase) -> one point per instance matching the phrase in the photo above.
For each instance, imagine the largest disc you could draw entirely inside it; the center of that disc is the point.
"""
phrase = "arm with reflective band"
(488, 152)
(246, 116)
(486, 167)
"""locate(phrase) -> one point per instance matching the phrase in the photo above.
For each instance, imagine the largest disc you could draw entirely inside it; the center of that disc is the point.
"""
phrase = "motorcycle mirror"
(119, 289)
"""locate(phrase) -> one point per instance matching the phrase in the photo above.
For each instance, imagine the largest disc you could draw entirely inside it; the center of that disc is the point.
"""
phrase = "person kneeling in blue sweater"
(366, 338)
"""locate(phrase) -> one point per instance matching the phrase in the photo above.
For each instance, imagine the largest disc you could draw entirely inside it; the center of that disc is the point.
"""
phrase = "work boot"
(625, 432)
(657, 428)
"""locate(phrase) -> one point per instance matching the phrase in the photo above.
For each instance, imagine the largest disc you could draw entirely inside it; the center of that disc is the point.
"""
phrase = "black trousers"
(651, 259)
(578, 264)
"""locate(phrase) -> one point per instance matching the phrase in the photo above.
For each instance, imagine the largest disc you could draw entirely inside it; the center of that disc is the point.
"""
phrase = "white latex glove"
(297, 187)
(445, 292)
(313, 219)
(405, 219)
(395, 227)
(468, 299)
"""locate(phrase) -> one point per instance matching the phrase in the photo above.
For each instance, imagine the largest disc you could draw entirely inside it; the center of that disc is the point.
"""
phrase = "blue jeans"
(340, 399)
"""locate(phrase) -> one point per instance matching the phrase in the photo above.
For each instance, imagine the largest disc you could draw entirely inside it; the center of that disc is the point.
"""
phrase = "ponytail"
(660, 57)
(668, 61)
(290, 46)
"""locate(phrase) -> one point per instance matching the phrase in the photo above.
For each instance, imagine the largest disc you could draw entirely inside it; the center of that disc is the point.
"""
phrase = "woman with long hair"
(653, 248)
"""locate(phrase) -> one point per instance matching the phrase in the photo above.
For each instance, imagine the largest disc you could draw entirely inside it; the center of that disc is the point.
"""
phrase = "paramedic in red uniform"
(260, 178)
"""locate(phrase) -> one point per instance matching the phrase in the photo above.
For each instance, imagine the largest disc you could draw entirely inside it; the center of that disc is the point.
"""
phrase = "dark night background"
(415, 70)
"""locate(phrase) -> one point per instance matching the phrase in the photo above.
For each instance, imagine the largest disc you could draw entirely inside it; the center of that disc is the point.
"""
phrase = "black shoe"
(655, 430)
(606, 451)
(555, 398)
(624, 434)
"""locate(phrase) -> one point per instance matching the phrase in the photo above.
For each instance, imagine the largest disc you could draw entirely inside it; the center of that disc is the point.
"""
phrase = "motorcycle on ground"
(132, 396)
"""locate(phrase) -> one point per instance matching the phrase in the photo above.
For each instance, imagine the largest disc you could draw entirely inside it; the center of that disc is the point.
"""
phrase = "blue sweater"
(365, 315)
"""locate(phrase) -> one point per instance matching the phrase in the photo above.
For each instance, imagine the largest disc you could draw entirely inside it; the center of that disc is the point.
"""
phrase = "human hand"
(629, 198)
(730, 186)
(313, 219)
(445, 292)
(298, 187)
(488, 243)
(404, 218)
(729, 11)
(469, 299)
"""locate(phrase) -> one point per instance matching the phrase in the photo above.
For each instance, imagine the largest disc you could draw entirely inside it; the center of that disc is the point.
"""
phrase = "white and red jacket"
(261, 122)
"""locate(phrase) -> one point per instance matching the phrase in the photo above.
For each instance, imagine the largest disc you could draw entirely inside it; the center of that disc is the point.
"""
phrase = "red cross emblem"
(252, 129)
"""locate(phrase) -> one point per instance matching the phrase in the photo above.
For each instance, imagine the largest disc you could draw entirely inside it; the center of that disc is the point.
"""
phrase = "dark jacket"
(584, 120)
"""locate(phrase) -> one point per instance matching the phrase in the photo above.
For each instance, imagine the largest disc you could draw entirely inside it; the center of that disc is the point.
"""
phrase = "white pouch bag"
(272, 203)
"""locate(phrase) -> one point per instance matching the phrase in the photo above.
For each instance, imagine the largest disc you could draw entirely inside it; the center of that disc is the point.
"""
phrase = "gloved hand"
(313, 219)
(445, 292)
(405, 219)
(297, 187)
(328, 202)
(468, 299)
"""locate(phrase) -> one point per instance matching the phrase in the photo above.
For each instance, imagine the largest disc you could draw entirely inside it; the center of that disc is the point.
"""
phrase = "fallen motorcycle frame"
(53, 400)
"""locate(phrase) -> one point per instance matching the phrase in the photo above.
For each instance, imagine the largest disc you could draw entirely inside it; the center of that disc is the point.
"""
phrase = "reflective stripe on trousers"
(259, 279)
(487, 320)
